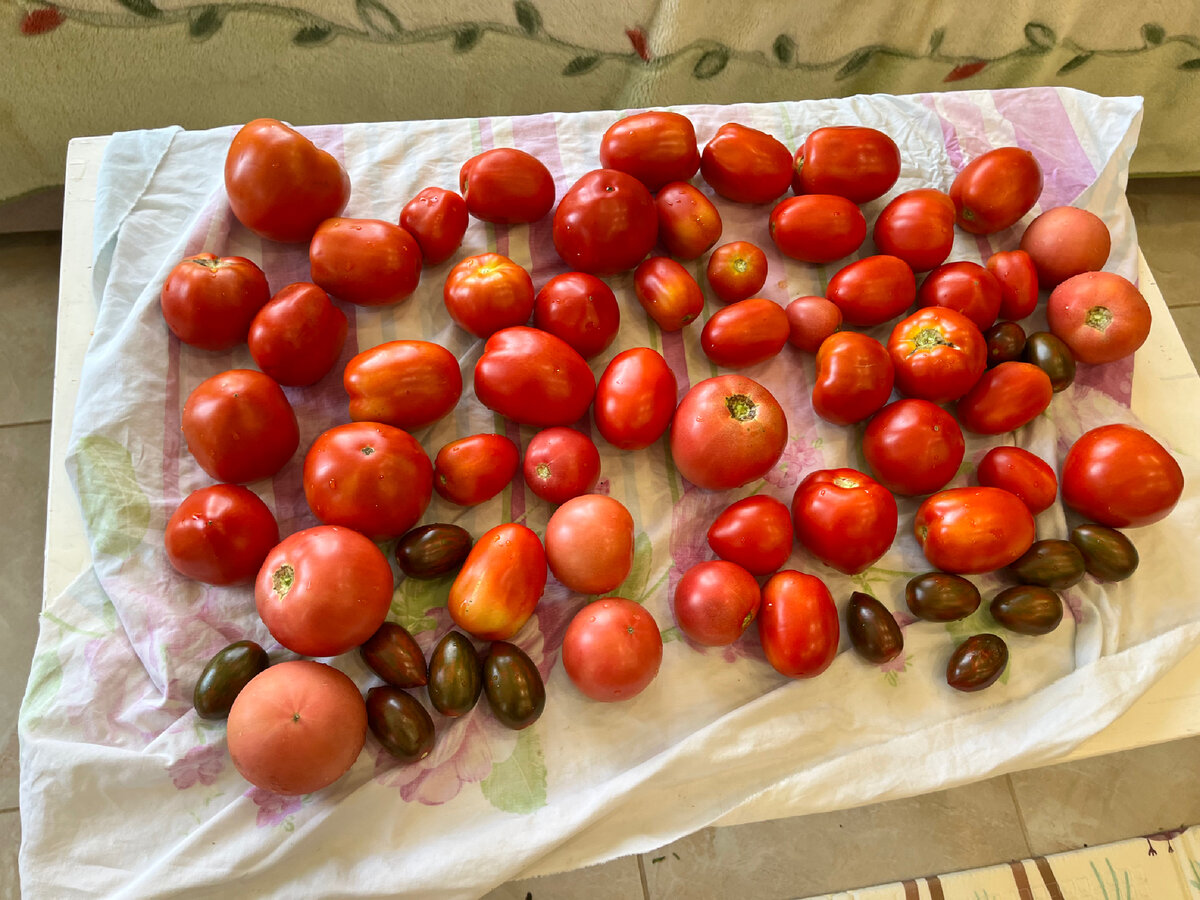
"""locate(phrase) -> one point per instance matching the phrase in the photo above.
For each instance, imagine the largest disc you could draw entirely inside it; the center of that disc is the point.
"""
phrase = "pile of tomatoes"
(957, 356)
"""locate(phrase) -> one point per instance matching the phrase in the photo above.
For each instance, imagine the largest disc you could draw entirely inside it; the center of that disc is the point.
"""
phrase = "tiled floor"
(1038, 812)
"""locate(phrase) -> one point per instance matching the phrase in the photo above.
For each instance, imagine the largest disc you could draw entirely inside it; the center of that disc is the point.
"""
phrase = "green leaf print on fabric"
(467, 37)
(312, 35)
(1040, 36)
(45, 680)
(581, 64)
(143, 8)
(711, 63)
(115, 507)
(528, 17)
(378, 18)
(1153, 33)
(518, 785)
(204, 22)
(784, 49)
(634, 585)
(415, 597)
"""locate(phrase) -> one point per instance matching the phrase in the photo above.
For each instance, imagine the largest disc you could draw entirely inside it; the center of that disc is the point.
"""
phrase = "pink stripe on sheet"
(1066, 168)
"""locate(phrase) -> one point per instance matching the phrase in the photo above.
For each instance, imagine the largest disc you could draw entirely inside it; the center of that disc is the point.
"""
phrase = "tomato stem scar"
(282, 579)
(1099, 317)
(741, 407)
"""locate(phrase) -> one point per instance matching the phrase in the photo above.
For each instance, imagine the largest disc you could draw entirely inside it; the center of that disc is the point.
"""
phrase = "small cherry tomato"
(1005, 343)
(810, 321)
(298, 336)
(1005, 398)
(1019, 472)
(688, 222)
(499, 584)
(612, 650)
(1050, 354)
(561, 463)
(844, 518)
(798, 624)
(408, 384)
(475, 468)
(918, 227)
(367, 262)
(854, 378)
(589, 543)
(655, 147)
(755, 532)
(995, 190)
(437, 219)
(488, 292)
(668, 293)
(506, 186)
(209, 302)
(736, 271)
(1101, 316)
(746, 165)
(964, 287)
(938, 354)
(971, 530)
(858, 163)
(635, 399)
(606, 223)
(872, 290)
(817, 228)
(1120, 476)
(1066, 241)
(220, 535)
(579, 308)
(715, 601)
(1015, 271)
(913, 447)
(533, 378)
(745, 333)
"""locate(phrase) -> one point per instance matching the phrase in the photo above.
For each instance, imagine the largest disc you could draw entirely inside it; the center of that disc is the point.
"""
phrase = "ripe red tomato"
(817, 228)
(296, 727)
(854, 378)
(972, 530)
(612, 650)
(280, 185)
(1015, 271)
(437, 219)
(561, 463)
(746, 165)
(995, 190)
(715, 602)
(964, 287)
(1120, 476)
(298, 336)
(918, 227)
(324, 590)
(1019, 472)
(668, 293)
(368, 476)
(408, 384)
(938, 354)
(736, 271)
(209, 302)
(858, 163)
(755, 532)
(798, 624)
(913, 447)
(1066, 241)
(1005, 398)
(499, 584)
(220, 535)
(368, 262)
(533, 378)
(488, 292)
(635, 399)
(844, 518)
(506, 186)
(1101, 316)
(872, 290)
(726, 432)
(688, 222)
(745, 333)
(810, 321)
(589, 543)
(475, 468)
(655, 147)
(606, 223)
(579, 308)
(239, 426)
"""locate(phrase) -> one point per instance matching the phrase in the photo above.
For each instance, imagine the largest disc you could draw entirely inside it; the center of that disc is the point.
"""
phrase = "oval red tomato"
(746, 165)
(470, 470)
(844, 518)
(1019, 472)
(667, 292)
(938, 354)
(488, 292)
(913, 447)
(972, 530)
(872, 290)
(688, 222)
(499, 584)
(533, 378)
(755, 532)
(854, 378)
(408, 384)
(1017, 275)
(367, 262)
(964, 287)
(736, 271)
(745, 333)
(612, 649)
(810, 321)
(209, 301)
(1101, 316)
(817, 228)
(1005, 398)
(506, 186)
(606, 223)
(715, 602)
(995, 190)
(589, 543)
(298, 336)
(635, 399)
(852, 161)
(437, 219)
(1120, 476)
(1066, 241)
(220, 535)
(561, 463)
(655, 147)
(918, 227)
(579, 308)
(798, 624)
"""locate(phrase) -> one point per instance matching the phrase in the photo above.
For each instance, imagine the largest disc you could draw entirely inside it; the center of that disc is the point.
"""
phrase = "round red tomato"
(736, 270)
(533, 378)
(408, 384)
(1066, 241)
(612, 649)
(1120, 476)
(918, 227)
(1005, 398)
(755, 532)
(488, 292)
(367, 262)
(972, 530)
(476, 468)
(810, 321)
(798, 624)
(499, 584)
(688, 223)
(726, 432)
(1017, 275)
(298, 336)
(913, 447)
(854, 378)
(844, 518)
(209, 302)
(872, 290)
(655, 147)
(817, 228)
(561, 463)
(220, 535)
(745, 333)
(964, 287)
(324, 590)
(280, 185)
(1019, 472)
(668, 293)
(606, 223)
(579, 308)
(858, 163)
(938, 354)
(589, 543)
(437, 219)
(746, 165)
(506, 186)
(994, 190)
(239, 426)
(368, 476)
(715, 602)
(1101, 316)
(635, 399)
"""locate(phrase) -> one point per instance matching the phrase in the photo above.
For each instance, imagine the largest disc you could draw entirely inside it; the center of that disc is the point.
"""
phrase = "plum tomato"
(367, 262)
(635, 399)
(746, 165)
(437, 219)
(470, 470)
(1066, 241)
(1005, 342)
(429, 551)
(1015, 271)
(1005, 398)
(408, 384)
(736, 271)
(1019, 472)
(667, 292)
(971, 530)
(506, 186)
(964, 287)
(755, 532)
(938, 354)
(810, 321)
(487, 292)
(918, 227)
(225, 675)
(209, 302)
(1051, 354)
(688, 222)
(715, 601)
(561, 463)
(298, 336)
(745, 333)
(499, 584)
(872, 290)
(798, 624)
(873, 631)
(589, 543)
(220, 535)
(844, 518)
(1120, 476)
(655, 147)
(817, 228)
(1101, 316)
(605, 223)
(533, 378)
(852, 161)
(612, 649)
(854, 378)
(580, 309)
(913, 447)
(995, 190)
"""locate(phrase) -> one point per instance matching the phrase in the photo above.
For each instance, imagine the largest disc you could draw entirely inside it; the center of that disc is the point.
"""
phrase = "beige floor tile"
(1187, 320)
(618, 879)
(960, 828)
(1167, 214)
(28, 305)
(1110, 798)
(10, 842)
(24, 455)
